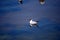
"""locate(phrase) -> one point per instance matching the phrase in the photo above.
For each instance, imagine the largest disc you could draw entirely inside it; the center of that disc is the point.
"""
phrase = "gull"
(42, 2)
(33, 22)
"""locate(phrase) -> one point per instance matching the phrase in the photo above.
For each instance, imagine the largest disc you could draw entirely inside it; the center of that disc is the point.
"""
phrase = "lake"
(14, 20)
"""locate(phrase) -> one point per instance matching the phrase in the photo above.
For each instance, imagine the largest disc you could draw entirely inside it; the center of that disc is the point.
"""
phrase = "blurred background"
(14, 20)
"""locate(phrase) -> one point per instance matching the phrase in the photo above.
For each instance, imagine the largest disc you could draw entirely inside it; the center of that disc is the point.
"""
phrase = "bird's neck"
(31, 20)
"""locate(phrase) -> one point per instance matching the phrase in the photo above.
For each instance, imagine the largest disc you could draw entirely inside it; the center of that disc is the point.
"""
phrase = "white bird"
(32, 22)
(42, 2)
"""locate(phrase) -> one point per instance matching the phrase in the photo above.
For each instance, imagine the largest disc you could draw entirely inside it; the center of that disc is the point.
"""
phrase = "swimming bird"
(42, 2)
(33, 22)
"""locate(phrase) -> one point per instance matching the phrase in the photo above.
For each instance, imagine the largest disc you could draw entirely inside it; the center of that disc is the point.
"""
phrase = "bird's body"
(32, 23)
(42, 1)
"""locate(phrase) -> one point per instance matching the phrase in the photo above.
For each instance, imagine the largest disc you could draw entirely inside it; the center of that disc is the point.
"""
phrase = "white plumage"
(32, 22)
(42, 3)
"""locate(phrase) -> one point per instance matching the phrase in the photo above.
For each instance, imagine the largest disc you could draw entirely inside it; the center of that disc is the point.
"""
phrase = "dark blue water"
(14, 20)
